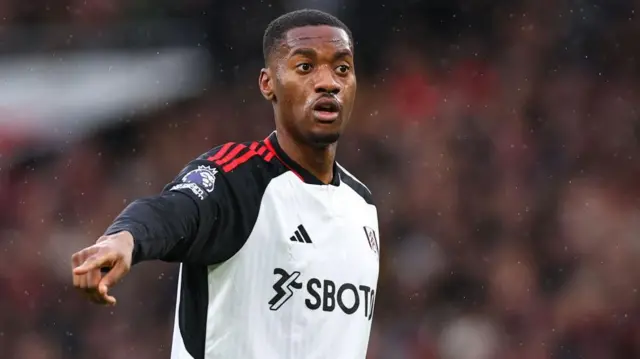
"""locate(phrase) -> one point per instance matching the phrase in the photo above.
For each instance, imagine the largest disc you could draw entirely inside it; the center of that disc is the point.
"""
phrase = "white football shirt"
(276, 265)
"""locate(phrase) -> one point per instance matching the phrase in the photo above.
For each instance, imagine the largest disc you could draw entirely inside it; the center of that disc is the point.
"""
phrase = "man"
(278, 244)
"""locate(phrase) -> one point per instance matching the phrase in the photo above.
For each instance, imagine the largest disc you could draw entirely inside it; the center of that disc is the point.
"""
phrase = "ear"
(265, 83)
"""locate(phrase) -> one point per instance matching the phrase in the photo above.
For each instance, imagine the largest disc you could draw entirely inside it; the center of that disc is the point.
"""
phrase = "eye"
(304, 67)
(342, 69)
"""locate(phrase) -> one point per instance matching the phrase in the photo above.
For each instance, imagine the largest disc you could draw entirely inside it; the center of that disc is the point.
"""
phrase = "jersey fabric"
(275, 264)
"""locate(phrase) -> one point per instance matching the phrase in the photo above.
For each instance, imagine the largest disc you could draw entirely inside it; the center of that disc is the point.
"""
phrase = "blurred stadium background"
(500, 139)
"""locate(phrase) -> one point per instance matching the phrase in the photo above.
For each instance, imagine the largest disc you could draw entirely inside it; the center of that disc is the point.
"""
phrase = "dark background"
(500, 140)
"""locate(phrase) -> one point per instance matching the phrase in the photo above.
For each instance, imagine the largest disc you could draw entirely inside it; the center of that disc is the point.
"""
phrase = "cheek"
(350, 95)
(294, 95)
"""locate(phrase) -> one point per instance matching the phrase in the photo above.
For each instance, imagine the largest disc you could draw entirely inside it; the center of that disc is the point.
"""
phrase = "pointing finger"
(108, 300)
(103, 298)
(96, 297)
(112, 277)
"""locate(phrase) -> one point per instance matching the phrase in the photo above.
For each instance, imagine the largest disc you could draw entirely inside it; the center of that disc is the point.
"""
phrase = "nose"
(326, 82)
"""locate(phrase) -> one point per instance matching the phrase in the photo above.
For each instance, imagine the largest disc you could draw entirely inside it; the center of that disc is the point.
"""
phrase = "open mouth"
(326, 110)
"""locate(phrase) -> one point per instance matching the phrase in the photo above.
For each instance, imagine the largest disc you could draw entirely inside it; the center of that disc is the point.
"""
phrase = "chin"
(323, 138)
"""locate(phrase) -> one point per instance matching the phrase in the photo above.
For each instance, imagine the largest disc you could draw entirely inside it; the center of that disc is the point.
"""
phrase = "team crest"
(372, 239)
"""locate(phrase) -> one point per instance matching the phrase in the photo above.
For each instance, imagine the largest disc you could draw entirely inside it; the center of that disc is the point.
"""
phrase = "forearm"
(162, 227)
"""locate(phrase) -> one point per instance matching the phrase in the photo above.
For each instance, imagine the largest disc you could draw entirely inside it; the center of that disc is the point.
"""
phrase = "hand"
(110, 252)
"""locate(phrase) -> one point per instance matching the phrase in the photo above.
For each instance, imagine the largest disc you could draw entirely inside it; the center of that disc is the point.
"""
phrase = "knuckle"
(102, 247)
(96, 247)
(102, 239)
(77, 257)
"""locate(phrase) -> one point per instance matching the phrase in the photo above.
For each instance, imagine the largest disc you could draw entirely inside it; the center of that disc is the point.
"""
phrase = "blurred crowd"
(501, 145)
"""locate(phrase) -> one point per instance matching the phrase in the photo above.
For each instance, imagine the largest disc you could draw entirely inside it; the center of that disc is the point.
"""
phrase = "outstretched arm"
(164, 227)
(179, 225)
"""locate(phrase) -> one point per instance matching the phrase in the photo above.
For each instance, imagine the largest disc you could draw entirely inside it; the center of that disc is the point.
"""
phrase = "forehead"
(317, 37)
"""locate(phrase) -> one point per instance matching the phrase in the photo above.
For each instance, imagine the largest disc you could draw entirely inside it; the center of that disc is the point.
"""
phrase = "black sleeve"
(198, 219)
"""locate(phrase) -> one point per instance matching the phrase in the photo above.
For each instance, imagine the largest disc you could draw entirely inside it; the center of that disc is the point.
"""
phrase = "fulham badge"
(371, 237)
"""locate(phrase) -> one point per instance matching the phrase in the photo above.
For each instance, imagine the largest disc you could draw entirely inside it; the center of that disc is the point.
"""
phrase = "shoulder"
(228, 184)
(355, 184)
(232, 156)
(242, 167)
(237, 160)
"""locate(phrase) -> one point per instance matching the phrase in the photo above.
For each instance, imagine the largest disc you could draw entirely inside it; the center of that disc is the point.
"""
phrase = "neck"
(318, 161)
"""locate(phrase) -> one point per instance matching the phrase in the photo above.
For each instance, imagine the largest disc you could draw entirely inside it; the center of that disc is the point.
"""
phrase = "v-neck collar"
(272, 143)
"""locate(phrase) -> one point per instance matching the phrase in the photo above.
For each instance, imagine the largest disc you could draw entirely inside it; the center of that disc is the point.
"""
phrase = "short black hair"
(279, 27)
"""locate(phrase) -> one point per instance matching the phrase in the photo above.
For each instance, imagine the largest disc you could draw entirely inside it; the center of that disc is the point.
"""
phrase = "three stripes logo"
(283, 288)
(301, 235)
(231, 154)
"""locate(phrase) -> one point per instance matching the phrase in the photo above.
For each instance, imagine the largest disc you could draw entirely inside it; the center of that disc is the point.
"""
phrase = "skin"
(312, 62)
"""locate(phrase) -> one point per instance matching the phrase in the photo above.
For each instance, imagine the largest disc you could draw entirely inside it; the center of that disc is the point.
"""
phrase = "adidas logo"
(301, 235)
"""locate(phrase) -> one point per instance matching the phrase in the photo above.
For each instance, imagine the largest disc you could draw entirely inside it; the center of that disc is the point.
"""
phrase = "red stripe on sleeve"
(221, 152)
(242, 159)
(234, 152)
(238, 161)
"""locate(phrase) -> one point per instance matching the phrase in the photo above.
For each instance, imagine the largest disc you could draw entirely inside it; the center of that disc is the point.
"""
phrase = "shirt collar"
(303, 174)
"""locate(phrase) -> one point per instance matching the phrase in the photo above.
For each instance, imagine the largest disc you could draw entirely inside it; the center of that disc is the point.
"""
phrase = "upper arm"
(227, 199)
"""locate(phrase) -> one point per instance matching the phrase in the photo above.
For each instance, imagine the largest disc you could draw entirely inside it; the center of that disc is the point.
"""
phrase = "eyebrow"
(341, 54)
(309, 52)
